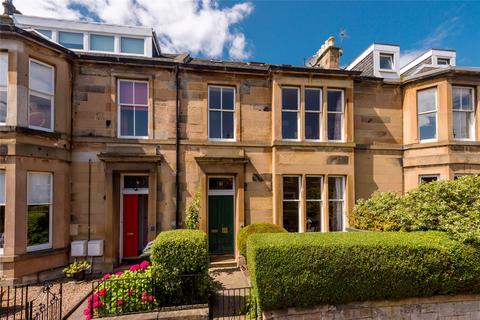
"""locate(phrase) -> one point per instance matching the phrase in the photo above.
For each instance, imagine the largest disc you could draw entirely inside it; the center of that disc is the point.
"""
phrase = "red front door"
(130, 225)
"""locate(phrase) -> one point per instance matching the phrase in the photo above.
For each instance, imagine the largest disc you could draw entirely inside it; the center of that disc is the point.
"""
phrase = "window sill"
(26, 130)
(32, 254)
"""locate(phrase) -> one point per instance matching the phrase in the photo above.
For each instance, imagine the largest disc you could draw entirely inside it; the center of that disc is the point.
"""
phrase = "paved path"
(229, 278)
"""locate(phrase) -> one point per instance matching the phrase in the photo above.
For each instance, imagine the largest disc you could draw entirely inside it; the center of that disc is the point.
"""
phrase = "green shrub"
(192, 214)
(452, 206)
(303, 270)
(245, 232)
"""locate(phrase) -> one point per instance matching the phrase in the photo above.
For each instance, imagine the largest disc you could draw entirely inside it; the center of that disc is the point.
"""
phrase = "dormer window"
(443, 61)
(71, 40)
(386, 61)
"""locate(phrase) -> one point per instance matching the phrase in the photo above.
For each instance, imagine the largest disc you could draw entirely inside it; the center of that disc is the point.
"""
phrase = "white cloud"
(195, 26)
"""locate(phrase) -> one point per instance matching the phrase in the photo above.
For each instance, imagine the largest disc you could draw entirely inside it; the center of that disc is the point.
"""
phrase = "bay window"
(2, 211)
(221, 113)
(290, 110)
(133, 108)
(314, 187)
(463, 113)
(291, 203)
(3, 86)
(427, 114)
(336, 203)
(313, 114)
(335, 114)
(41, 96)
(39, 211)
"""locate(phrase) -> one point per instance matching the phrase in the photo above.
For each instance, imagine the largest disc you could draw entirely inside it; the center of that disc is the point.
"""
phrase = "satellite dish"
(312, 61)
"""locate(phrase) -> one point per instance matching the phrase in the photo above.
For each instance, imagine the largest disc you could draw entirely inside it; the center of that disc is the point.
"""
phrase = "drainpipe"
(177, 148)
(89, 194)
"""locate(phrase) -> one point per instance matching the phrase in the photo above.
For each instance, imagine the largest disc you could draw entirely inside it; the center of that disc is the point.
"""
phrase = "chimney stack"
(9, 9)
(328, 56)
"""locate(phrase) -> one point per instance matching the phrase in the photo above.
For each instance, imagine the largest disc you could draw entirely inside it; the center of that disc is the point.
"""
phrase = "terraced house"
(104, 138)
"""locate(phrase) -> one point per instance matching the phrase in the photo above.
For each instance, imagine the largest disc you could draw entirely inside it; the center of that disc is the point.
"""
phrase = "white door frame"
(124, 191)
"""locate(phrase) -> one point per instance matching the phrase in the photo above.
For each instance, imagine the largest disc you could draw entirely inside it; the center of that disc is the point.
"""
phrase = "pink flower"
(86, 312)
(87, 317)
(144, 265)
(102, 292)
(144, 299)
(134, 268)
(107, 276)
(151, 298)
(97, 304)
(120, 302)
(119, 273)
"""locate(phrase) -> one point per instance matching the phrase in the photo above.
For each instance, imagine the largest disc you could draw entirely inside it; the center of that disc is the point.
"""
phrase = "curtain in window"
(3, 86)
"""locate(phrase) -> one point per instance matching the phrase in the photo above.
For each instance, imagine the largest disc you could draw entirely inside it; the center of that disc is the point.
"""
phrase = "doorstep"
(222, 261)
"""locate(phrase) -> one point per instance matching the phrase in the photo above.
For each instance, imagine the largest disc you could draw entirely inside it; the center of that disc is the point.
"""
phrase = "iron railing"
(113, 297)
(35, 302)
(234, 304)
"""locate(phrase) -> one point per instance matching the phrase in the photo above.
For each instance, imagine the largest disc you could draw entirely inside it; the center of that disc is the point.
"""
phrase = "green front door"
(220, 224)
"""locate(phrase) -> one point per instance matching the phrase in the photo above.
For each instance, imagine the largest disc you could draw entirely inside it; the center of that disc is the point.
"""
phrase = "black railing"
(233, 304)
(113, 297)
(34, 302)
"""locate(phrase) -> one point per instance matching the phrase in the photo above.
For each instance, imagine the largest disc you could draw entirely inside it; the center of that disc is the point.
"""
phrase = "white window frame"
(342, 113)
(119, 113)
(343, 201)
(314, 200)
(5, 88)
(4, 204)
(42, 94)
(428, 112)
(298, 200)
(293, 111)
(389, 55)
(472, 128)
(319, 112)
(221, 110)
(448, 59)
(43, 246)
(421, 176)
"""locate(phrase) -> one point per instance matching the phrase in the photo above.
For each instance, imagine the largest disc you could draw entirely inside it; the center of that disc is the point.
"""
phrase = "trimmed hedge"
(180, 252)
(303, 270)
(254, 228)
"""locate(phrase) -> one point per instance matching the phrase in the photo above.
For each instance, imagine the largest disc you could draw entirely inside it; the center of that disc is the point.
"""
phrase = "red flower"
(119, 273)
(86, 312)
(144, 265)
(87, 317)
(105, 277)
(130, 291)
(120, 302)
(151, 298)
(134, 268)
(102, 292)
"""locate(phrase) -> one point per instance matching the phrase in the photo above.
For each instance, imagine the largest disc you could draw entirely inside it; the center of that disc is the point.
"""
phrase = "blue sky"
(289, 31)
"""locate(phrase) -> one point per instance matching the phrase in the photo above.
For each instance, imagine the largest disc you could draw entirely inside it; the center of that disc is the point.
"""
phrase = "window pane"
(39, 188)
(126, 92)
(312, 125)
(71, 40)
(335, 188)
(100, 42)
(428, 126)
(462, 124)
(46, 33)
(135, 182)
(312, 100)
(314, 216)
(335, 216)
(426, 100)
(3, 69)
(386, 61)
(38, 224)
(2, 187)
(290, 98)
(314, 188)
(334, 101)
(467, 99)
(41, 77)
(428, 179)
(290, 216)
(289, 125)
(227, 125)
(2, 227)
(220, 183)
(227, 99)
(141, 121)
(215, 127)
(126, 120)
(214, 98)
(443, 61)
(132, 45)
(141, 93)
(457, 98)
(334, 122)
(3, 106)
(291, 188)
(40, 112)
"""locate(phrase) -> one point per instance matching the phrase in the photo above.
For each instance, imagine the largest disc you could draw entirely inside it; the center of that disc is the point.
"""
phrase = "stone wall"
(426, 308)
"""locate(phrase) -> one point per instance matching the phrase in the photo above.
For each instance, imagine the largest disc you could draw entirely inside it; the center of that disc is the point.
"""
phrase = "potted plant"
(76, 270)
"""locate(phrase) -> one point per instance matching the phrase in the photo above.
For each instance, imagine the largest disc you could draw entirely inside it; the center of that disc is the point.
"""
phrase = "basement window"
(291, 203)
(41, 96)
(290, 109)
(133, 109)
(221, 113)
(336, 203)
(386, 61)
(39, 211)
(2, 211)
(428, 178)
(3, 87)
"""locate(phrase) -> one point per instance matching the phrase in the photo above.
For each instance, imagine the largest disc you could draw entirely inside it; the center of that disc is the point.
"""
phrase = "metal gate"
(233, 304)
(36, 302)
